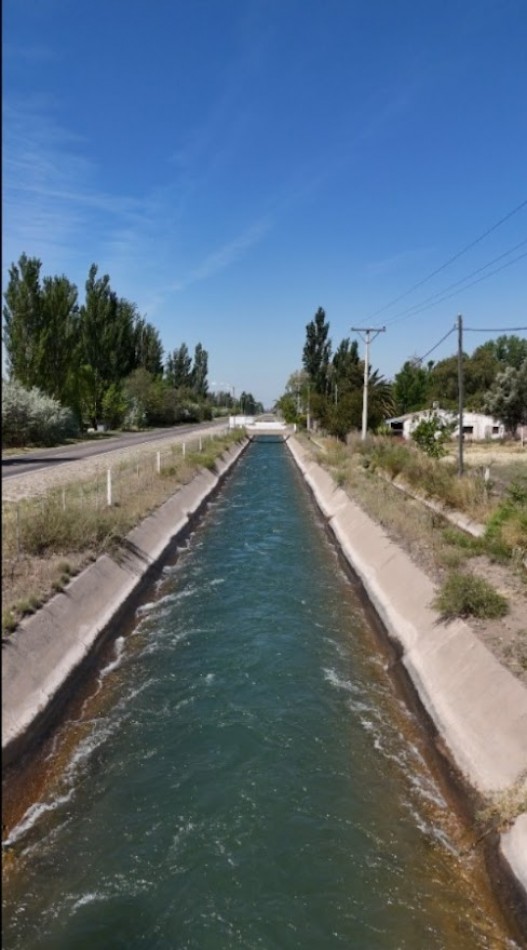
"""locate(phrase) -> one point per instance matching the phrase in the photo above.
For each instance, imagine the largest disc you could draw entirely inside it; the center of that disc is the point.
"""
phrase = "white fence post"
(109, 488)
(158, 463)
(184, 449)
(200, 444)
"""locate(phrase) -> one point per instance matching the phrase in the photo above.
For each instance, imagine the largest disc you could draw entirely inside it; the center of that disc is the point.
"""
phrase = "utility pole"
(367, 340)
(460, 389)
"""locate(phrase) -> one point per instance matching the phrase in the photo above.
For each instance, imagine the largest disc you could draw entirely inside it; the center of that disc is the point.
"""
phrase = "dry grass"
(432, 542)
(49, 538)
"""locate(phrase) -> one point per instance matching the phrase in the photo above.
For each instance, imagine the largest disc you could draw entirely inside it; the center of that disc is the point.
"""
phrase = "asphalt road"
(47, 458)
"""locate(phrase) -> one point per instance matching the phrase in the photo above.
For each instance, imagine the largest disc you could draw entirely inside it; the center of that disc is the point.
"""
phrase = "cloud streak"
(228, 254)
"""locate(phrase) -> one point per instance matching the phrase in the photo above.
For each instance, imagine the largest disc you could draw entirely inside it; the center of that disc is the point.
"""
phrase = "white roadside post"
(109, 488)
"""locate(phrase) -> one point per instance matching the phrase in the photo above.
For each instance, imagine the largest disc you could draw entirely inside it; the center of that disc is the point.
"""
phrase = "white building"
(476, 426)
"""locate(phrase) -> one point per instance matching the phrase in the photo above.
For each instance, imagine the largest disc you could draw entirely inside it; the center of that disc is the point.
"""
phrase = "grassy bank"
(49, 538)
(482, 578)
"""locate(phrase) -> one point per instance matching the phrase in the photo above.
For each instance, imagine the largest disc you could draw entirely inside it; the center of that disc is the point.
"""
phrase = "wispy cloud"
(49, 184)
(393, 262)
(226, 255)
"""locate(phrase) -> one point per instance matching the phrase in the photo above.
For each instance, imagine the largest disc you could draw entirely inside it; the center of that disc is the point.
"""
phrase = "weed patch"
(465, 595)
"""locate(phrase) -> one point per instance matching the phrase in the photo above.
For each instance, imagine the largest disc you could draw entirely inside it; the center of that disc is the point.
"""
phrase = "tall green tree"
(510, 350)
(346, 370)
(23, 322)
(120, 340)
(200, 372)
(443, 382)
(148, 347)
(410, 387)
(179, 368)
(60, 341)
(98, 317)
(317, 352)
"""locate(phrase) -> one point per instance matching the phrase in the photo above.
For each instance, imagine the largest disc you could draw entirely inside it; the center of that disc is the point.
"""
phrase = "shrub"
(506, 531)
(393, 459)
(465, 595)
(29, 417)
(432, 434)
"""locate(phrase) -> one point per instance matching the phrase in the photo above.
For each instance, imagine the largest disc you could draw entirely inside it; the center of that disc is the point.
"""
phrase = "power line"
(420, 359)
(439, 293)
(443, 338)
(493, 329)
(450, 260)
(477, 281)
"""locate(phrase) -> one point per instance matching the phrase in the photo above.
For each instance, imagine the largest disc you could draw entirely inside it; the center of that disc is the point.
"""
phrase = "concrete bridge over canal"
(270, 429)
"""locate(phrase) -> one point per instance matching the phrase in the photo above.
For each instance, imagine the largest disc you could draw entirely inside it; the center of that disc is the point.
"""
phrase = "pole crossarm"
(368, 331)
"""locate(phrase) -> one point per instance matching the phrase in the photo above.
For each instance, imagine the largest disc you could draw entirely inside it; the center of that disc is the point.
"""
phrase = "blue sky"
(235, 164)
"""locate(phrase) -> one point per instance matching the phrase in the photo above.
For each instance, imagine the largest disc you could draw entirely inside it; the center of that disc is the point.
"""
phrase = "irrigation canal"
(243, 772)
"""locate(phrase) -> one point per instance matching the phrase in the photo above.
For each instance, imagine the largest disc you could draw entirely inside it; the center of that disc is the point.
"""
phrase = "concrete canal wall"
(478, 707)
(50, 649)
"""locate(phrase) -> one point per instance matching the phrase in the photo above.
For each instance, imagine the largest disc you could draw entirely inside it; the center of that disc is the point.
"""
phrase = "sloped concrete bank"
(478, 708)
(48, 653)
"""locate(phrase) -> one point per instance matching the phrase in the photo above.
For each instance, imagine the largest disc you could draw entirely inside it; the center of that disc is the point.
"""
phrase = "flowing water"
(246, 775)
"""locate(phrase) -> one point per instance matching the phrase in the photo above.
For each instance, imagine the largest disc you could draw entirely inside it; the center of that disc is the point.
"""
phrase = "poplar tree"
(60, 341)
(317, 352)
(147, 347)
(97, 315)
(200, 371)
(179, 368)
(23, 321)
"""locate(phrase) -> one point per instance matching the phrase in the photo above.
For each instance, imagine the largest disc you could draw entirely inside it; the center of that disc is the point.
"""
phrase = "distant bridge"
(268, 428)
(269, 431)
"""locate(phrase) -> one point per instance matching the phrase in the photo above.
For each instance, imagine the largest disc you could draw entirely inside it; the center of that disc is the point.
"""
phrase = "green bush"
(465, 595)
(506, 531)
(432, 434)
(29, 417)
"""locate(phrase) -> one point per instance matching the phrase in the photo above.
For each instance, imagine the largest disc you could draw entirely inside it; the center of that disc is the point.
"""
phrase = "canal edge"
(49, 652)
(460, 684)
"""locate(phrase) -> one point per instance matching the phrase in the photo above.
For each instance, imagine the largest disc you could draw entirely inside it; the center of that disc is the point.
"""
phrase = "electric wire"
(477, 281)
(420, 359)
(450, 260)
(493, 329)
(421, 305)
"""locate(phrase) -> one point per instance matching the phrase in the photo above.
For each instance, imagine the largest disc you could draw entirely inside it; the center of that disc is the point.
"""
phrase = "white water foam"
(113, 664)
(331, 676)
(33, 814)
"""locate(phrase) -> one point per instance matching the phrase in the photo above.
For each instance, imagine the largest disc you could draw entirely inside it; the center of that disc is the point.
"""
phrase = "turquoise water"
(246, 775)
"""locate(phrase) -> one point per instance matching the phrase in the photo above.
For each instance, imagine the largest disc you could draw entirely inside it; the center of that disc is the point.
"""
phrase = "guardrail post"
(109, 488)
(158, 463)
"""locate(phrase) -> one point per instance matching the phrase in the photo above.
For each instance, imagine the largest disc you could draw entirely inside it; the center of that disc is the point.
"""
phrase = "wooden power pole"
(460, 388)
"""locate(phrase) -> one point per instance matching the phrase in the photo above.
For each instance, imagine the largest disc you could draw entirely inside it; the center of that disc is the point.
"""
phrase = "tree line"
(101, 358)
(329, 387)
